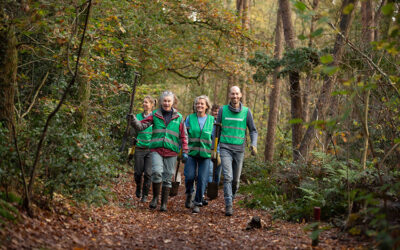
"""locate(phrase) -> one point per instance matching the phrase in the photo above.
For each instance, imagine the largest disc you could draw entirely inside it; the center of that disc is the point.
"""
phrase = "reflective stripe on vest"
(200, 140)
(166, 136)
(233, 130)
(144, 136)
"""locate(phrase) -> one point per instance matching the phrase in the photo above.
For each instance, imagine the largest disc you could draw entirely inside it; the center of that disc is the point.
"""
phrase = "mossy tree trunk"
(8, 73)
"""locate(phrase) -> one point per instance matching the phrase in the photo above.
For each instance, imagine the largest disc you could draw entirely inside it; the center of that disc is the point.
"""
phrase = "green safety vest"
(200, 140)
(166, 136)
(233, 130)
(143, 136)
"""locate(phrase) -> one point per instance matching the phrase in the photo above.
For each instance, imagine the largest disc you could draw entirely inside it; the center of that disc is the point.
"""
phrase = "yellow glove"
(131, 150)
(253, 150)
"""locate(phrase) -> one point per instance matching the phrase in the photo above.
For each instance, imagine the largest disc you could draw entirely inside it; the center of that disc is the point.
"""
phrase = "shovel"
(175, 184)
(212, 190)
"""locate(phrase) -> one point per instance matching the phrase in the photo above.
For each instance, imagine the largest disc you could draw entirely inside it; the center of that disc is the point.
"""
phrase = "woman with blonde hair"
(200, 128)
(142, 154)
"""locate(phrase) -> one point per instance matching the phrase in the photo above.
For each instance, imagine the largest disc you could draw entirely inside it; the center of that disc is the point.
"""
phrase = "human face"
(214, 113)
(147, 105)
(201, 107)
(235, 95)
(167, 103)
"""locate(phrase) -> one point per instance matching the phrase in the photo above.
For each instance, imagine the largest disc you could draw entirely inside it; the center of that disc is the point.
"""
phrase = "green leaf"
(388, 9)
(341, 92)
(397, 140)
(295, 121)
(330, 70)
(317, 32)
(300, 6)
(348, 9)
(325, 59)
(302, 37)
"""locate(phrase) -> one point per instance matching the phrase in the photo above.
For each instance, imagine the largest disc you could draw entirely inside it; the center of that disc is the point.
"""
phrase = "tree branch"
(52, 114)
(36, 94)
(366, 57)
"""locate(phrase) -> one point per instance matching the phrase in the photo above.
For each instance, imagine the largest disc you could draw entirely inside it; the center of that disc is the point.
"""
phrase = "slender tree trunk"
(215, 94)
(367, 17)
(8, 74)
(324, 97)
(275, 94)
(309, 80)
(243, 9)
(294, 77)
(231, 82)
(377, 20)
(84, 101)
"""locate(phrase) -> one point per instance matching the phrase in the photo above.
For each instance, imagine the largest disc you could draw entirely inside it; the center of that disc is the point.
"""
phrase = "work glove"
(184, 157)
(216, 156)
(129, 116)
(218, 159)
(253, 150)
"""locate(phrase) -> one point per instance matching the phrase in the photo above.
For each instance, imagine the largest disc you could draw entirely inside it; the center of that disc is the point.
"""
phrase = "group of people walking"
(163, 133)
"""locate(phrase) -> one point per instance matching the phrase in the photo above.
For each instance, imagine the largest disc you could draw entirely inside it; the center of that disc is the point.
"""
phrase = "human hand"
(253, 150)
(129, 117)
(184, 157)
(218, 159)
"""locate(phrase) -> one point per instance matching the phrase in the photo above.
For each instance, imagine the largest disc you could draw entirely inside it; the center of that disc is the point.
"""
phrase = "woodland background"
(321, 78)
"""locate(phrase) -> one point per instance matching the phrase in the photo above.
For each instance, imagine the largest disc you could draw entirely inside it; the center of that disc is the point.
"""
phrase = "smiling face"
(147, 105)
(167, 102)
(201, 107)
(235, 95)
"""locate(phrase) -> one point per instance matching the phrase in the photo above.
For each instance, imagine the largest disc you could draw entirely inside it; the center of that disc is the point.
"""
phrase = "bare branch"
(36, 94)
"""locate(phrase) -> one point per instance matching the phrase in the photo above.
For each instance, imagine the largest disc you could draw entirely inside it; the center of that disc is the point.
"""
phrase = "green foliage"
(301, 59)
(8, 212)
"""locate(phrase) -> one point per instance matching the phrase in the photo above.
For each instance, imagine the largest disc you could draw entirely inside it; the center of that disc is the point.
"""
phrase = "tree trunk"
(367, 17)
(377, 20)
(309, 80)
(294, 77)
(8, 74)
(243, 10)
(83, 100)
(324, 97)
(275, 93)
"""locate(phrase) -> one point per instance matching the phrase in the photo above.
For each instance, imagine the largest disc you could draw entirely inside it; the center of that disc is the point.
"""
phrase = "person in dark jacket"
(234, 118)
(169, 131)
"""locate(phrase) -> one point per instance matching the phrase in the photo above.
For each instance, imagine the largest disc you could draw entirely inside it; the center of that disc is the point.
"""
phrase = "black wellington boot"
(138, 180)
(164, 198)
(145, 189)
(156, 194)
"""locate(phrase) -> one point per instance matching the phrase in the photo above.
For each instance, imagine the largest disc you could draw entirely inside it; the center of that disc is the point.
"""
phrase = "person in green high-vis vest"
(234, 119)
(142, 154)
(200, 128)
(168, 135)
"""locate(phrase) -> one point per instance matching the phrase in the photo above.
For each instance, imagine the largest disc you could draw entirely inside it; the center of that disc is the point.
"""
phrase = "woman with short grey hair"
(168, 135)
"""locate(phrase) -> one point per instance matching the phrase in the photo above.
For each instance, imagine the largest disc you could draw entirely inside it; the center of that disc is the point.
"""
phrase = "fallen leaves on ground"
(118, 225)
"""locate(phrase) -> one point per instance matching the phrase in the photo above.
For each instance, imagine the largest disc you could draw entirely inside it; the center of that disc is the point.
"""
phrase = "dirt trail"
(128, 224)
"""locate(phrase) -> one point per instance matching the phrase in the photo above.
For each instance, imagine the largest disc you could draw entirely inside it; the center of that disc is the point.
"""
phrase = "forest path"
(128, 224)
